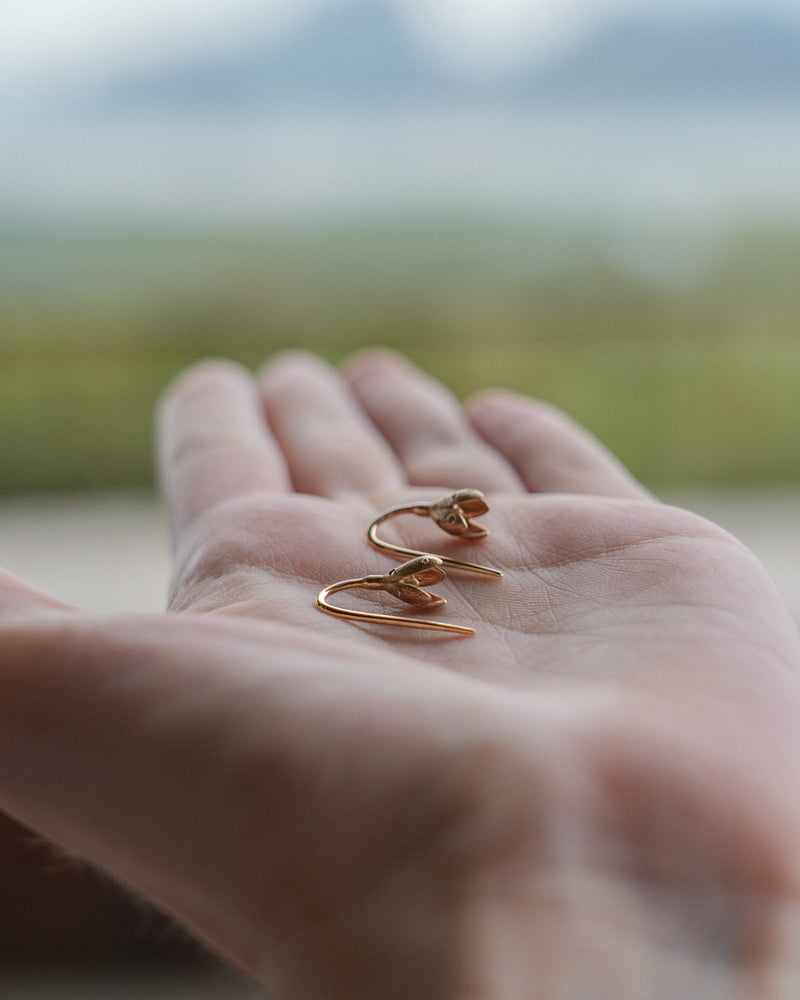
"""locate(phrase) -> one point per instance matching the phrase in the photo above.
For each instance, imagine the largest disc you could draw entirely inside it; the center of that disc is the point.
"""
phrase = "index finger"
(213, 442)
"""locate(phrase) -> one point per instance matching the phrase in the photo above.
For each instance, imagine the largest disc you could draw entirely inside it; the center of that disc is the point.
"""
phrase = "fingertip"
(497, 404)
(372, 361)
(292, 359)
(482, 404)
(20, 601)
(208, 375)
(195, 392)
(212, 370)
(492, 413)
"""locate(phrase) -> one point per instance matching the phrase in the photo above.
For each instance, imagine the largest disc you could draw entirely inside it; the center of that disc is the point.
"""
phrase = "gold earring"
(405, 582)
(453, 513)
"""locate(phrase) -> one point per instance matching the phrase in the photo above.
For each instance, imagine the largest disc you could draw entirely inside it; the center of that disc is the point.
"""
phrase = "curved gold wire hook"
(405, 582)
(453, 513)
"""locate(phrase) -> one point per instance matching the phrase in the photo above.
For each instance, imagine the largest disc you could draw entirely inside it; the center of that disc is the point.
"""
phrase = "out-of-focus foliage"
(694, 378)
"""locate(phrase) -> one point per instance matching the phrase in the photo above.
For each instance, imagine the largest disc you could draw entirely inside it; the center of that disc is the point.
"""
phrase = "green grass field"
(693, 380)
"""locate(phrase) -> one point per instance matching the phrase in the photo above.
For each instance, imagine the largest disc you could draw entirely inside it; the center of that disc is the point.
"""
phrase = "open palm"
(590, 797)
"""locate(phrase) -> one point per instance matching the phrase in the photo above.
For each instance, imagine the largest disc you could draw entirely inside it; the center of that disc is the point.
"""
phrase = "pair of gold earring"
(452, 513)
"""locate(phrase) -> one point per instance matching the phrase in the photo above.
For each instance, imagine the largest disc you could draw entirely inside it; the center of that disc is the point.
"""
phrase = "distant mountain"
(363, 51)
(722, 53)
(360, 50)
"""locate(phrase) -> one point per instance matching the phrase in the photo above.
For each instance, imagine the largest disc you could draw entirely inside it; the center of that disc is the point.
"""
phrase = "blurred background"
(593, 201)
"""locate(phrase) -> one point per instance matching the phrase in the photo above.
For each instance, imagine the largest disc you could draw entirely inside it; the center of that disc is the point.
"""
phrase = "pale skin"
(597, 796)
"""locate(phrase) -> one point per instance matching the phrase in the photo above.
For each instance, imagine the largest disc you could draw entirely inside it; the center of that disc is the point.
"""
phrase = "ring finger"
(426, 427)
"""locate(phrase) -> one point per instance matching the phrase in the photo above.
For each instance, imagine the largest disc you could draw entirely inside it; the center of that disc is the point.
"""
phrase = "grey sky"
(43, 39)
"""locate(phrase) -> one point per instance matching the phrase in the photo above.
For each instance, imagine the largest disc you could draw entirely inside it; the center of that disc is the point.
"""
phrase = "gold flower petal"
(471, 502)
(412, 594)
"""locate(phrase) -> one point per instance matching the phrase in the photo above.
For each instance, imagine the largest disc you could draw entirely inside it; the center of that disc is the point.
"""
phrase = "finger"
(116, 744)
(331, 448)
(426, 426)
(214, 444)
(173, 753)
(20, 602)
(551, 453)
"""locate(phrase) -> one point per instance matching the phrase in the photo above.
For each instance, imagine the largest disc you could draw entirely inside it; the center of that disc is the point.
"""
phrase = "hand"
(594, 796)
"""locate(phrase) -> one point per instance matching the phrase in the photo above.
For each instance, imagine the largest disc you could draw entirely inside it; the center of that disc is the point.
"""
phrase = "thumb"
(140, 744)
(199, 760)
(19, 601)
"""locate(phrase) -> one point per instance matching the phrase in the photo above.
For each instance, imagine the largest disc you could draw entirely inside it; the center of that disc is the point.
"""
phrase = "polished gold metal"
(405, 582)
(453, 513)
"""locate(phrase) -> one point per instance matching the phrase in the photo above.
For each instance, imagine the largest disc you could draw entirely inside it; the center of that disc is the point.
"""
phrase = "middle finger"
(330, 446)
